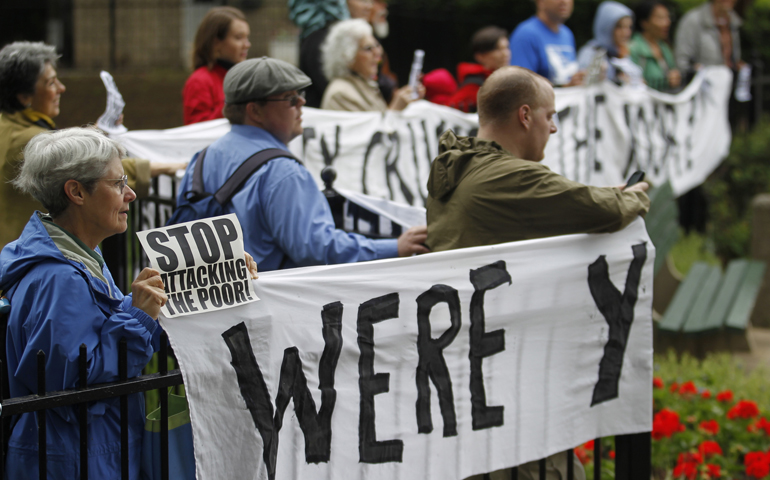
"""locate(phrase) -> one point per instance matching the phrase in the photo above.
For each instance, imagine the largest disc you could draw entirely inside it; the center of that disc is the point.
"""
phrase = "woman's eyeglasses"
(123, 181)
(370, 48)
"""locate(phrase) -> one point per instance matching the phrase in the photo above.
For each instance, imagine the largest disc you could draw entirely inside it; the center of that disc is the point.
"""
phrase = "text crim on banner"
(432, 367)
(202, 265)
(605, 133)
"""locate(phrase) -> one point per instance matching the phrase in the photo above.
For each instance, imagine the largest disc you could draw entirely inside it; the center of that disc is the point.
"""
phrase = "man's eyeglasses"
(123, 181)
(292, 99)
(370, 48)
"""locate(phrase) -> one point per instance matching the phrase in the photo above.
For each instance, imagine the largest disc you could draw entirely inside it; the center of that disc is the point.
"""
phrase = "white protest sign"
(431, 367)
(605, 133)
(202, 265)
(109, 119)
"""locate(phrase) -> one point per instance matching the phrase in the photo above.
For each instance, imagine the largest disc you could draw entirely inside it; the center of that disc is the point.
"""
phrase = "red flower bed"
(743, 409)
(726, 396)
(699, 436)
(709, 426)
(666, 423)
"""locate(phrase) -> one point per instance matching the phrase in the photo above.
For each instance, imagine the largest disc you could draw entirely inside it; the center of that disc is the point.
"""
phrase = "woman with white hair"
(62, 295)
(350, 56)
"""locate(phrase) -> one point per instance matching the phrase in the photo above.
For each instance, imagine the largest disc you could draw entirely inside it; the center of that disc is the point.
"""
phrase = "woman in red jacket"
(222, 40)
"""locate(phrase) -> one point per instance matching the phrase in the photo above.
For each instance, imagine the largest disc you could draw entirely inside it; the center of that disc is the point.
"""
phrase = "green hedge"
(744, 174)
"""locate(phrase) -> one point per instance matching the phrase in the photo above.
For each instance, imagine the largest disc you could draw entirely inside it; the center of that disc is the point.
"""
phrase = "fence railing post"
(42, 444)
(163, 362)
(83, 409)
(123, 373)
(633, 456)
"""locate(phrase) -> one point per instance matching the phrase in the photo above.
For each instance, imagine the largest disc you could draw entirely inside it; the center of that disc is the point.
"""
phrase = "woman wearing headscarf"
(62, 295)
(351, 56)
(222, 40)
(649, 46)
(30, 94)
(613, 24)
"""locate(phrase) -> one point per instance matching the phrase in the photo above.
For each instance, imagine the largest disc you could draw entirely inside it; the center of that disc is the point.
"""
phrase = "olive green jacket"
(16, 208)
(480, 194)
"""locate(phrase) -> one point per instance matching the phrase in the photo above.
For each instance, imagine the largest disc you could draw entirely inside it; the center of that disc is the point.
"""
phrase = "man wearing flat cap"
(285, 218)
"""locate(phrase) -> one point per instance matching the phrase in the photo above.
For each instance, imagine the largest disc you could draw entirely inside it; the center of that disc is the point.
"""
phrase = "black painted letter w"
(316, 427)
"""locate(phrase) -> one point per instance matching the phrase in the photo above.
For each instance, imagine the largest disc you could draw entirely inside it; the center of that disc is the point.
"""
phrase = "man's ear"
(75, 192)
(525, 116)
(254, 112)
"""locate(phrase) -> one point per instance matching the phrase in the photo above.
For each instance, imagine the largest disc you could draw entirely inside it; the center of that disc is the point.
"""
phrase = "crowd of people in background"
(340, 45)
(628, 47)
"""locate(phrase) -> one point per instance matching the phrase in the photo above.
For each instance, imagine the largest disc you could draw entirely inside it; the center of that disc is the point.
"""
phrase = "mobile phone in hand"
(636, 177)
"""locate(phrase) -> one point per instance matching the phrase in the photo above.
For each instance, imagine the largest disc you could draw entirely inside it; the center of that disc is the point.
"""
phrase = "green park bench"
(708, 309)
(711, 309)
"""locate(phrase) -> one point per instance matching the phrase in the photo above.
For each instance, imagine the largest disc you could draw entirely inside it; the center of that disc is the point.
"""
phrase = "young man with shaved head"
(492, 189)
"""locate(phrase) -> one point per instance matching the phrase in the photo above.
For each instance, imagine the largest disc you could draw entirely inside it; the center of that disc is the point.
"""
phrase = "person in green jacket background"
(649, 47)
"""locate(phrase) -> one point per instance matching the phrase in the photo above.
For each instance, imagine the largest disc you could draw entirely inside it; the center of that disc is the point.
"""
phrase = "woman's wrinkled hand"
(148, 292)
(251, 265)
(403, 97)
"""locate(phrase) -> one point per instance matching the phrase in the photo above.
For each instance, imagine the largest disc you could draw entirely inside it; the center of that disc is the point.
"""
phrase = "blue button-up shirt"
(281, 210)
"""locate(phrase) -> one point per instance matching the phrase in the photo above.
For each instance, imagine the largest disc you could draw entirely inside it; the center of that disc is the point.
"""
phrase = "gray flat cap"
(258, 78)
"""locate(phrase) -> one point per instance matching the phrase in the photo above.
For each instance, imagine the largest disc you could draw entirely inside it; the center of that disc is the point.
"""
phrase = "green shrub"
(690, 248)
(730, 190)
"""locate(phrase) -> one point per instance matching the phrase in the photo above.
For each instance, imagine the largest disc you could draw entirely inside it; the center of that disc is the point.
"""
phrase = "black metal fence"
(81, 396)
(124, 258)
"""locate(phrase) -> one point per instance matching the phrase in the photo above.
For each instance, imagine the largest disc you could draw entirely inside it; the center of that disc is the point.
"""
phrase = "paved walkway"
(759, 339)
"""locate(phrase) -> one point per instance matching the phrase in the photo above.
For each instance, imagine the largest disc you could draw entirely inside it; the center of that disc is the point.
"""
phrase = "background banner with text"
(605, 134)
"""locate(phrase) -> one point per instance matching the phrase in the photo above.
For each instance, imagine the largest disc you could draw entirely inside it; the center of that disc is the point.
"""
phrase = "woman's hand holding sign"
(148, 292)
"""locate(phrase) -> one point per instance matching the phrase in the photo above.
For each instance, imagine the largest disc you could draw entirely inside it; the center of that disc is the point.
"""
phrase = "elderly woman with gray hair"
(30, 92)
(350, 56)
(62, 295)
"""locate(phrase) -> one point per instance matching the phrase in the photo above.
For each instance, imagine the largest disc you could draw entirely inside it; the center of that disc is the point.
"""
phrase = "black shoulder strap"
(247, 168)
(197, 182)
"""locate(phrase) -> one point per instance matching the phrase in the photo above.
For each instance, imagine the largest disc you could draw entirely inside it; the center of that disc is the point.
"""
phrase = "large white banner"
(431, 367)
(605, 134)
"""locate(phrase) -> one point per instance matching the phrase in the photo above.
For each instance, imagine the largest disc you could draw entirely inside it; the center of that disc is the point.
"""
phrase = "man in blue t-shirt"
(543, 44)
